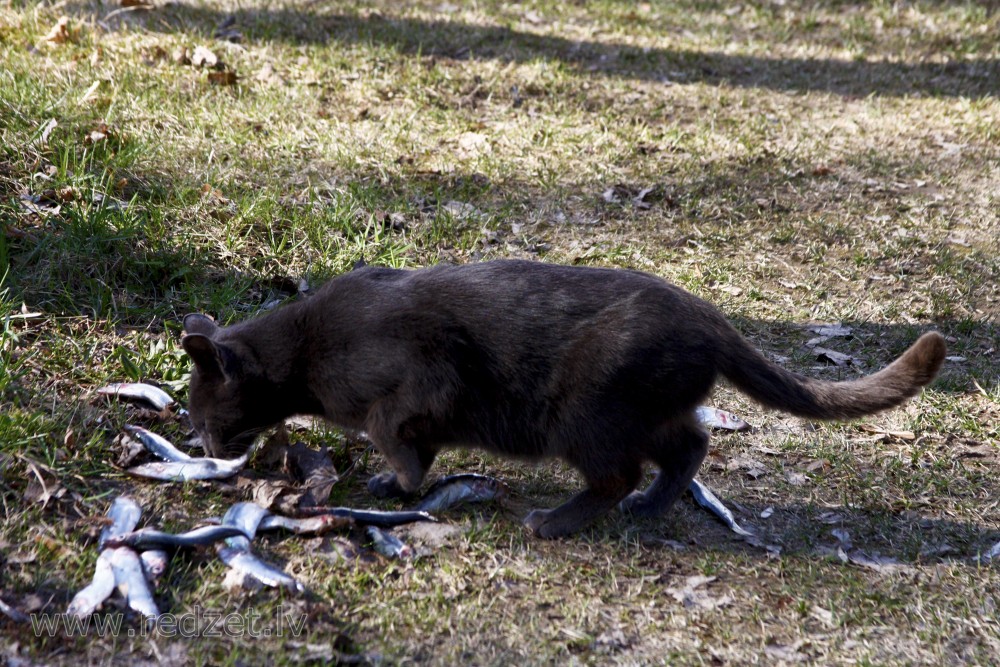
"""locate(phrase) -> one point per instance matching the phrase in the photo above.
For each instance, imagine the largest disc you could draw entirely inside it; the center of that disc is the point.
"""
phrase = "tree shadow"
(448, 39)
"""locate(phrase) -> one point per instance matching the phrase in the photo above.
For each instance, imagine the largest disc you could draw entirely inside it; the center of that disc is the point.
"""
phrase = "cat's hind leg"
(678, 451)
(606, 487)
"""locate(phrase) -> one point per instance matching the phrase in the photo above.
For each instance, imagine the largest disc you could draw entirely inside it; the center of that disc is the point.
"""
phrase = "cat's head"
(230, 400)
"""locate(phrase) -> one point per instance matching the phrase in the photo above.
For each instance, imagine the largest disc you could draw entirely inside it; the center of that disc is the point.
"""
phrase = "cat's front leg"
(409, 463)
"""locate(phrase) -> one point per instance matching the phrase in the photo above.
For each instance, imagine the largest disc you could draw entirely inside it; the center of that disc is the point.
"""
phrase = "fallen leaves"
(640, 198)
(60, 33)
(694, 594)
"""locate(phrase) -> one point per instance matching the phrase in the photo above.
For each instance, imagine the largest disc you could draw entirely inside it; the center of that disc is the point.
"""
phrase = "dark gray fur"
(602, 368)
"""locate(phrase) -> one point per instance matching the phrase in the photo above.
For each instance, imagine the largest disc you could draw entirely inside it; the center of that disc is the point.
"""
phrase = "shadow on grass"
(456, 40)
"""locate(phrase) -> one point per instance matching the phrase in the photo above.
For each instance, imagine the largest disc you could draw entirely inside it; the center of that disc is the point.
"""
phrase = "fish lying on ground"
(388, 544)
(457, 489)
(138, 391)
(382, 519)
(716, 418)
(158, 445)
(319, 524)
(124, 514)
(116, 566)
(154, 564)
(235, 551)
(704, 497)
(192, 469)
(100, 588)
(149, 538)
(131, 581)
(13, 613)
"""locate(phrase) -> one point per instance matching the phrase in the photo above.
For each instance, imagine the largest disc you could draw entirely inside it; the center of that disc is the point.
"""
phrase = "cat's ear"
(212, 359)
(196, 323)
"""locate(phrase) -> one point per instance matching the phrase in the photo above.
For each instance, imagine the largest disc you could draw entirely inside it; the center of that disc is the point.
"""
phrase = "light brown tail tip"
(924, 358)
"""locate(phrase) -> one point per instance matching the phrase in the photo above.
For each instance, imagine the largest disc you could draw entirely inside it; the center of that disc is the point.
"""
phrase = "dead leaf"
(223, 78)
(901, 435)
(181, 56)
(315, 470)
(60, 32)
(473, 144)
(128, 450)
(50, 125)
(753, 468)
(833, 357)
(785, 653)
(203, 57)
(824, 616)
(796, 478)
(136, 3)
(43, 486)
(882, 564)
(693, 595)
(429, 533)
(832, 330)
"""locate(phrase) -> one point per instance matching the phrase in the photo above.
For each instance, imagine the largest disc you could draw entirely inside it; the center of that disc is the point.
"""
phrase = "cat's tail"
(790, 392)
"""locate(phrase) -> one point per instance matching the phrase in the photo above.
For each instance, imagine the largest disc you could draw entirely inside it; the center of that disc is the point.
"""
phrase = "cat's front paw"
(385, 485)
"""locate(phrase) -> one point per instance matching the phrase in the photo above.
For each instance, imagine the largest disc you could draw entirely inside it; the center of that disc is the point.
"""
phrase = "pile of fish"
(133, 560)
(121, 567)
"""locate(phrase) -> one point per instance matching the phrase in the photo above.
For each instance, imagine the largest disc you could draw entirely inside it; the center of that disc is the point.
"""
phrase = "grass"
(812, 162)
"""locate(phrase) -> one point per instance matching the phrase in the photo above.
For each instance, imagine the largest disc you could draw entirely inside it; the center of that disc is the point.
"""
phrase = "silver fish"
(246, 517)
(319, 524)
(138, 391)
(131, 582)
(192, 469)
(716, 418)
(457, 489)
(158, 445)
(13, 613)
(246, 562)
(87, 600)
(382, 519)
(124, 514)
(704, 496)
(235, 551)
(388, 544)
(154, 564)
(149, 538)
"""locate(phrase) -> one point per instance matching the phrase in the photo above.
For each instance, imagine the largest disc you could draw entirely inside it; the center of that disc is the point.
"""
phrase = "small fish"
(246, 517)
(704, 496)
(149, 538)
(158, 445)
(245, 562)
(154, 564)
(319, 524)
(13, 613)
(388, 544)
(370, 517)
(124, 514)
(192, 469)
(97, 591)
(457, 489)
(138, 391)
(131, 582)
(716, 418)
(235, 551)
